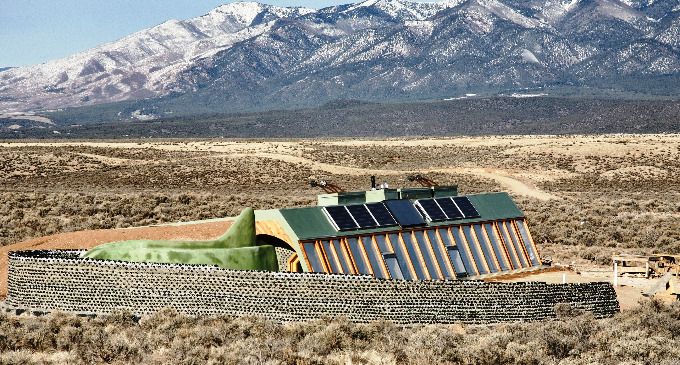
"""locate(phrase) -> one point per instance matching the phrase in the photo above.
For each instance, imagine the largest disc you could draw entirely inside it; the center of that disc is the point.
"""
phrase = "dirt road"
(291, 152)
(505, 178)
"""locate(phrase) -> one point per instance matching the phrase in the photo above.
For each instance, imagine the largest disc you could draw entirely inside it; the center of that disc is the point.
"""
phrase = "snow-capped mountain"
(139, 65)
(246, 55)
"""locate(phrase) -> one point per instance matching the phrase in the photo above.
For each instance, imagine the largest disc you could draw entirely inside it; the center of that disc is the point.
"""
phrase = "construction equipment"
(647, 266)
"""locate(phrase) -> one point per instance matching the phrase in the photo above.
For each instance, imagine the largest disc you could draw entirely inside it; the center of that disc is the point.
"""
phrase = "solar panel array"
(341, 218)
(359, 216)
(466, 207)
(381, 214)
(442, 209)
(402, 212)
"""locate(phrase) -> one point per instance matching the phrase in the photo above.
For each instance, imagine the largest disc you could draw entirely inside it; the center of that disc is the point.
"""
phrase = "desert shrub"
(602, 210)
(645, 335)
(20, 212)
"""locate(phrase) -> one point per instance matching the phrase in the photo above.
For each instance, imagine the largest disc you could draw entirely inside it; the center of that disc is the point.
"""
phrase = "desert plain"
(585, 198)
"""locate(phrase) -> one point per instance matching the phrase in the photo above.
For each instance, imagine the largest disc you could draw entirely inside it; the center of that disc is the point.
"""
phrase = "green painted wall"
(236, 249)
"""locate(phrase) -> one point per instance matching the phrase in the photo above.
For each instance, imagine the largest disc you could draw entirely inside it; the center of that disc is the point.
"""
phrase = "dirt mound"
(89, 239)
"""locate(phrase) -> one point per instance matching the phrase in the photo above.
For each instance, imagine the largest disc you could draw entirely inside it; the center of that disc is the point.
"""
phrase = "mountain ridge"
(251, 56)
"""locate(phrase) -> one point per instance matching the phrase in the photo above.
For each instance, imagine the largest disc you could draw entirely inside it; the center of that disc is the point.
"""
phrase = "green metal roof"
(311, 222)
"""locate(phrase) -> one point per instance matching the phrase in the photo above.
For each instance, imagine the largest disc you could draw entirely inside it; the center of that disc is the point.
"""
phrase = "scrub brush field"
(585, 197)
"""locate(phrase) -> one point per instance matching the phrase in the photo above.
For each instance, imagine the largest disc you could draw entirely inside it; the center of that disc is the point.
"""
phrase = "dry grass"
(645, 335)
(617, 194)
(27, 214)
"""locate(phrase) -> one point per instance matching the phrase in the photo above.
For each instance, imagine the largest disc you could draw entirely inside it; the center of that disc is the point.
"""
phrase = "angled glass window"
(507, 243)
(464, 249)
(402, 257)
(441, 254)
(457, 262)
(313, 257)
(476, 253)
(428, 255)
(486, 248)
(374, 257)
(533, 255)
(393, 265)
(383, 245)
(510, 230)
(358, 255)
(421, 271)
(332, 259)
(345, 263)
(498, 249)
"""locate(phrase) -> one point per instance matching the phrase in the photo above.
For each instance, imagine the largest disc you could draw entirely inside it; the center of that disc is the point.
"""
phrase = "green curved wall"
(236, 249)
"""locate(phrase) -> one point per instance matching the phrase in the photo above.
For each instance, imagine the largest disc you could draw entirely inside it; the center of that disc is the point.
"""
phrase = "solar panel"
(450, 208)
(361, 215)
(340, 217)
(466, 207)
(381, 214)
(404, 212)
(431, 210)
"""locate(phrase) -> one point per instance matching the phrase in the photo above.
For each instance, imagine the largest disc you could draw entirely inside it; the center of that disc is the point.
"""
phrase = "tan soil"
(503, 177)
(611, 157)
(583, 149)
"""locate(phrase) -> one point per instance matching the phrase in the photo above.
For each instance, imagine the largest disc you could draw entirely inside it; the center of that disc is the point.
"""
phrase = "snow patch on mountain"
(27, 116)
(245, 14)
(529, 56)
(526, 95)
(505, 12)
(570, 4)
(671, 34)
(406, 10)
(618, 10)
(639, 3)
(421, 27)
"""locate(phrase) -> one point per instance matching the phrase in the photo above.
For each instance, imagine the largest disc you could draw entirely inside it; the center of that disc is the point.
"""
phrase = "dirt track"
(504, 178)
(291, 152)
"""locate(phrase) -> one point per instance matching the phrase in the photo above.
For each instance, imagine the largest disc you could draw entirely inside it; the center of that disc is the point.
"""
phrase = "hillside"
(472, 116)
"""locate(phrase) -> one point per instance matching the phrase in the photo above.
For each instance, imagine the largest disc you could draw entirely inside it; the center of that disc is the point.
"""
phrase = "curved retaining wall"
(60, 280)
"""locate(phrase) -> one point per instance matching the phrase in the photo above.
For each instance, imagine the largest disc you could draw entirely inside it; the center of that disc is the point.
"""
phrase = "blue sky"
(35, 31)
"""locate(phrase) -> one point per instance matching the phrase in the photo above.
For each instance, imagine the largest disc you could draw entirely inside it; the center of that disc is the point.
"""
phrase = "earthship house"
(411, 256)
(408, 234)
